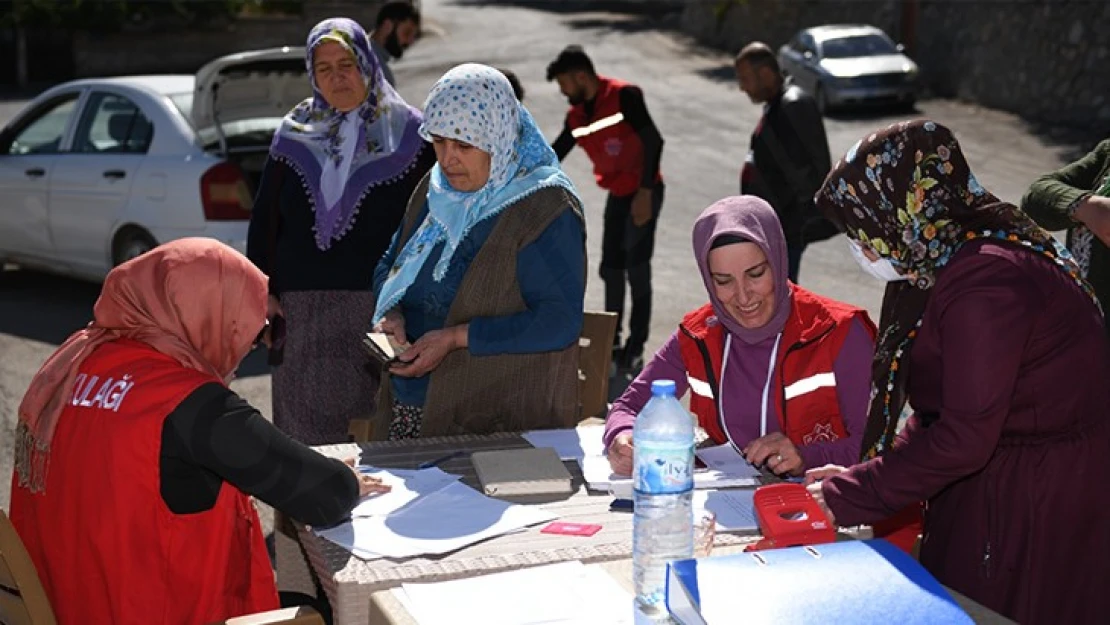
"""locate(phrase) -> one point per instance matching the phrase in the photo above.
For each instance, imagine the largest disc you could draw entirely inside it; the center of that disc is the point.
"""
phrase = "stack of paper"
(567, 593)
(446, 520)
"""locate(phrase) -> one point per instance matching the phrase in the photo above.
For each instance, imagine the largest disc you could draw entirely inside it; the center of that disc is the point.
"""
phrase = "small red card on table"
(571, 529)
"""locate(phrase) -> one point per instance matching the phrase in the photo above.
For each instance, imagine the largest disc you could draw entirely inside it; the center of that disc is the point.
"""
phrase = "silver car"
(94, 172)
(850, 64)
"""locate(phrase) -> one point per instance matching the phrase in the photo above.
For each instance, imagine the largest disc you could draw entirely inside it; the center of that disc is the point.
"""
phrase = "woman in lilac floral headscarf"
(342, 167)
(991, 335)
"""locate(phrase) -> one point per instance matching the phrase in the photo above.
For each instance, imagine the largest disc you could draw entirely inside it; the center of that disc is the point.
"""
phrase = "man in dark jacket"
(789, 155)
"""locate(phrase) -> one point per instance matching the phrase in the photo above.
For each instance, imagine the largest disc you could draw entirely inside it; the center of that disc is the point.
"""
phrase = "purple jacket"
(1010, 440)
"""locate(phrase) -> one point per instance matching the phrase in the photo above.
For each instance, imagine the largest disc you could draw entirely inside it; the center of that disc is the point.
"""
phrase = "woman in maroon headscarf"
(998, 344)
(773, 369)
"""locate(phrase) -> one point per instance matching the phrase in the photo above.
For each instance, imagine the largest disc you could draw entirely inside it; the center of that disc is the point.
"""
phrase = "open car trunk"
(240, 99)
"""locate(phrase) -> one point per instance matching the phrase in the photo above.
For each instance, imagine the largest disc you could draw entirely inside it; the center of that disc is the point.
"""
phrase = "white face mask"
(879, 269)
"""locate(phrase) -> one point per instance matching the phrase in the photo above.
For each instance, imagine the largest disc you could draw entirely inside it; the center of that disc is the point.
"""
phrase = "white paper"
(728, 461)
(408, 485)
(597, 472)
(567, 593)
(444, 521)
(570, 444)
(735, 509)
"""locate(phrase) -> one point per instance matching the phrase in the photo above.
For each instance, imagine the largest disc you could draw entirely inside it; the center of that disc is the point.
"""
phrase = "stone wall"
(165, 50)
(1047, 60)
(731, 24)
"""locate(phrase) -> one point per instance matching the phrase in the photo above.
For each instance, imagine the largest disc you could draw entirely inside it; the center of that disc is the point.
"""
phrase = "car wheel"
(130, 243)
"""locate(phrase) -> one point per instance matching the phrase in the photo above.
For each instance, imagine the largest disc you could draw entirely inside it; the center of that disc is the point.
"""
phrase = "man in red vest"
(609, 120)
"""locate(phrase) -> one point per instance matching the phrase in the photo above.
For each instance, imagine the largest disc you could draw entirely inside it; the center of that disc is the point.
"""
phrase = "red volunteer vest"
(609, 141)
(106, 547)
(808, 409)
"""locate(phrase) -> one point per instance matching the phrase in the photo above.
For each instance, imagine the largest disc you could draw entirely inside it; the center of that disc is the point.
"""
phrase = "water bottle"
(663, 486)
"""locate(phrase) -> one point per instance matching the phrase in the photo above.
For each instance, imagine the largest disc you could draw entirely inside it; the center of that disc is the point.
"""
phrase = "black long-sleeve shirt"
(290, 255)
(636, 114)
(214, 436)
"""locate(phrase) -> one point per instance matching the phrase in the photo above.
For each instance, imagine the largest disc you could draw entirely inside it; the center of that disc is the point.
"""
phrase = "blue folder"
(837, 583)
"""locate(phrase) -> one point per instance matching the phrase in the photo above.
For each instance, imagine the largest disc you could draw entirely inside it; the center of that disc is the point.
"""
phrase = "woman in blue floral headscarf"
(992, 336)
(485, 280)
(341, 169)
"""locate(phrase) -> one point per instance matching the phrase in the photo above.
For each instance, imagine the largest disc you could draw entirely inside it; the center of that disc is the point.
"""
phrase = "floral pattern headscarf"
(907, 193)
(341, 156)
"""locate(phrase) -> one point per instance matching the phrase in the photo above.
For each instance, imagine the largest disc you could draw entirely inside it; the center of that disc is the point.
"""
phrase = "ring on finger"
(778, 458)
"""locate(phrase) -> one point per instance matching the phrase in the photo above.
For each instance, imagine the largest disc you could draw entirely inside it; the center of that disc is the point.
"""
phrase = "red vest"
(609, 141)
(106, 547)
(806, 398)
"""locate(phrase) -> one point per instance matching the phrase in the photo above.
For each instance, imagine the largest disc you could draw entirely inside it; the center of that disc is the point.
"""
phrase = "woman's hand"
(820, 473)
(367, 484)
(620, 454)
(814, 490)
(813, 486)
(429, 350)
(777, 452)
(393, 324)
(1094, 212)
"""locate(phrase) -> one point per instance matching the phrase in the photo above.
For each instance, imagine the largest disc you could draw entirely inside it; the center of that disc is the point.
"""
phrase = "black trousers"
(626, 251)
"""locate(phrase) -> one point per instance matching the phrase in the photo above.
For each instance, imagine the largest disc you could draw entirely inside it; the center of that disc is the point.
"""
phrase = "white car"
(94, 172)
(842, 65)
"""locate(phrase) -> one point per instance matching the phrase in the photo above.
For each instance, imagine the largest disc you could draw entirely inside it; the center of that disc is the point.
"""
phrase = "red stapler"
(789, 517)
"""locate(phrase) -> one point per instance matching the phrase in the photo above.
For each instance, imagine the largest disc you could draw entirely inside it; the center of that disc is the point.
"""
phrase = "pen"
(438, 461)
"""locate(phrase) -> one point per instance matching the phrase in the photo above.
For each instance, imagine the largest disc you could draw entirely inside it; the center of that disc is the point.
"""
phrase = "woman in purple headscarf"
(776, 371)
(993, 337)
(341, 169)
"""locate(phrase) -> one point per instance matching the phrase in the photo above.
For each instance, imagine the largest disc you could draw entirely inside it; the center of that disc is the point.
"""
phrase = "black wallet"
(382, 348)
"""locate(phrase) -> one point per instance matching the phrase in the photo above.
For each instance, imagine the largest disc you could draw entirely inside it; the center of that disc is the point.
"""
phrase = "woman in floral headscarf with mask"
(342, 167)
(992, 336)
(486, 277)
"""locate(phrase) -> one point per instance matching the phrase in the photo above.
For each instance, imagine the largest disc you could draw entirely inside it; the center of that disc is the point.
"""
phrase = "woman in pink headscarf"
(778, 372)
(134, 463)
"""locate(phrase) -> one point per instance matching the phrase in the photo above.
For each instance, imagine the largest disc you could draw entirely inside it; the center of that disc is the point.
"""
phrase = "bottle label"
(664, 469)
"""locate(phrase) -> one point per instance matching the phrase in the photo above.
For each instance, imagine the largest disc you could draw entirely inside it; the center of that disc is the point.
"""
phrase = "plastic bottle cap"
(662, 387)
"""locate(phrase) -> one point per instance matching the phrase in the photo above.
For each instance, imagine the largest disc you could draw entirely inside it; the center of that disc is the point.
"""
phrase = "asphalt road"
(691, 94)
